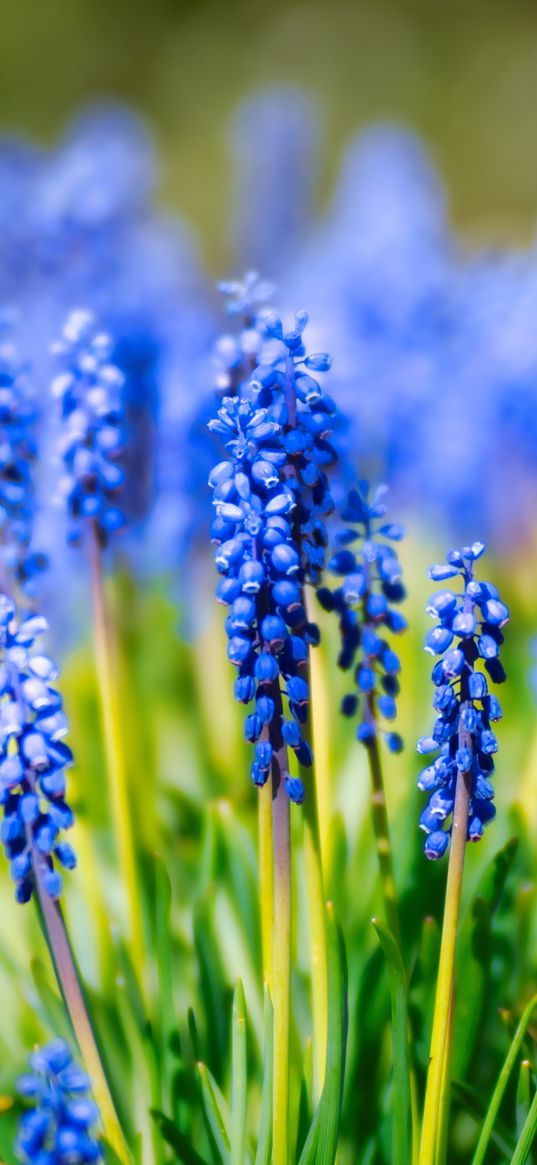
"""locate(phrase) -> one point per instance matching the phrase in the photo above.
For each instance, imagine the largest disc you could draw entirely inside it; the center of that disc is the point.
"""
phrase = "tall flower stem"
(115, 753)
(316, 913)
(381, 830)
(266, 881)
(437, 1092)
(282, 964)
(71, 989)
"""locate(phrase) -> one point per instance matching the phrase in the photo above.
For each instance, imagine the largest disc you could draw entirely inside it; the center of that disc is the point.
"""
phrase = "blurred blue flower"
(274, 147)
(366, 602)
(90, 392)
(468, 633)
(18, 452)
(33, 757)
(59, 1126)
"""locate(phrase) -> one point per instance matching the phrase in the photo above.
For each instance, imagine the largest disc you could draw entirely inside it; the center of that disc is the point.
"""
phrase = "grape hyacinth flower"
(467, 637)
(33, 758)
(18, 451)
(60, 1124)
(366, 601)
(90, 394)
(259, 561)
(271, 500)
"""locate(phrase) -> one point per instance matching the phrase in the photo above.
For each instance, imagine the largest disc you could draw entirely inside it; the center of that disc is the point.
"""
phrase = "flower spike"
(467, 638)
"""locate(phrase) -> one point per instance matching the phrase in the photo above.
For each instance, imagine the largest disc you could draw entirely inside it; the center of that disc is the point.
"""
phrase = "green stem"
(437, 1090)
(315, 900)
(282, 957)
(266, 881)
(71, 989)
(381, 830)
(115, 754)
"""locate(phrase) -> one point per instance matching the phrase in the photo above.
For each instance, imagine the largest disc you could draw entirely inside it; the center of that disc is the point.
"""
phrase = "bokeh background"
(464, 78)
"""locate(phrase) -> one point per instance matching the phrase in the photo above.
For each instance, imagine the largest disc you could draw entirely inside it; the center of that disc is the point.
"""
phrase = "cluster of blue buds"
(366, 602)
(272, 498)
(59, 1127)
(285, 386)
(236, 354)
(90, 391)
(468, 633)
(268, 633)
(33, 758)
(18, 452)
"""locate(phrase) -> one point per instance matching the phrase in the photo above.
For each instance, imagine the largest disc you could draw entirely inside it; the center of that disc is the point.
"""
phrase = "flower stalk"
(115, 752)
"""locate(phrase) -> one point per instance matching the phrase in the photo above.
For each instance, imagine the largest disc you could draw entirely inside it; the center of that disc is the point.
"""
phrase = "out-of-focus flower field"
(373, 164)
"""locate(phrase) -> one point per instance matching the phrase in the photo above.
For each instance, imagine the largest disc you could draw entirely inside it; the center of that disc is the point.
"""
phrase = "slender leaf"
(474, 957)
(523, 1096)
(264, 1141)
(501, 1137)
(238, 1078)
(215, 1112)
(322, 1139)
(402, 1113)
(527, 1136)
(503, 1079)
(176, 1139)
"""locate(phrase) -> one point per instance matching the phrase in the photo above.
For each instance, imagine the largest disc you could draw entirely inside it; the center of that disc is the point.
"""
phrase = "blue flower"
(33, 758)
(366, 602)
(18, 451)
(60, 1124)
(467, 638)
(90, 391)
(259, 561)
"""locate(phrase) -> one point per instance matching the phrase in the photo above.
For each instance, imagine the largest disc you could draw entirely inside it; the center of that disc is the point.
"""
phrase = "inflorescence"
(33, 758)
(366, 601)
(271, 498)
(59, 1127)
(468, 633)
(18, 452)
(90, 394)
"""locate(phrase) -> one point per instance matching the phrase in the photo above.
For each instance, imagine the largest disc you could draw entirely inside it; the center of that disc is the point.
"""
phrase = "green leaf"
(212, 985)
(238, 1078)
(501, 1137)
(215, 1112)
(53, 1007)
(305, 1112)
(176, 1139)
(322, 1141)
(474, 958)
(264, 1141)
(402, 1118)
(164, 964)
(527, 1136)
(523, 1096)
(422, 990)
(503, 1080)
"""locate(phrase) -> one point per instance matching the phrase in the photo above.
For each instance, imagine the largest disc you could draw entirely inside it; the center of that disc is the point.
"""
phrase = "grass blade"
(402, 1120)
(503, 1079)
(322, 1139)
(264, 1142)
(176, 1139)
(215, 1112)
(238, 1078)
(527, 1136)
(523, 1096)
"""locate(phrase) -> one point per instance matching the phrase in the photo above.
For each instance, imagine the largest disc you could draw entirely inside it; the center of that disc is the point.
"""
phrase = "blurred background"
(464, 76)
(377, 160)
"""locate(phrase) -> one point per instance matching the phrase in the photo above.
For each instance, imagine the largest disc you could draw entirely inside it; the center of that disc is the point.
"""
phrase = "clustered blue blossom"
(366, 602)
(90, 391)
(271, 499)
(468, 633)
(59, 1127)
(18, 452)
(33, 758)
